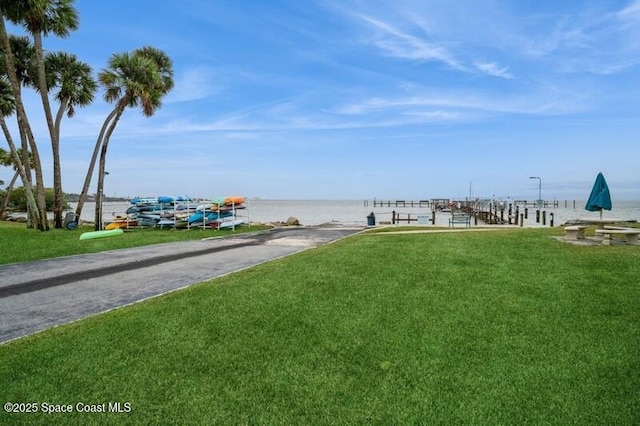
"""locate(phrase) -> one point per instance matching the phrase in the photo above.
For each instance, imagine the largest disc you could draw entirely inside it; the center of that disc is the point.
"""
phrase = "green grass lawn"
(19, 244)
(506, 327)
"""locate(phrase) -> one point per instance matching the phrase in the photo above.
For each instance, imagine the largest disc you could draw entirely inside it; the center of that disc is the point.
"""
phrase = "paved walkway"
(38, 295)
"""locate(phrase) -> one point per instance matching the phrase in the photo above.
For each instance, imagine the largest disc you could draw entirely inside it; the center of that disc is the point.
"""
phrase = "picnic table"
(600, 223)
(630, 234)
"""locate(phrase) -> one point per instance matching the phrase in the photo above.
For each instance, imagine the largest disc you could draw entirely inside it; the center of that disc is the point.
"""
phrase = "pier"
(442, 203)
(423, 204)
(488, 211)
(545, 204)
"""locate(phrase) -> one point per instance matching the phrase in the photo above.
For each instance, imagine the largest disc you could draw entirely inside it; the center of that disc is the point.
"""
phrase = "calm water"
(355, 212)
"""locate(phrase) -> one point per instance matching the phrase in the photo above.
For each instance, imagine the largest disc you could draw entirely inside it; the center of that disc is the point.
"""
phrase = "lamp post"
(539, 190)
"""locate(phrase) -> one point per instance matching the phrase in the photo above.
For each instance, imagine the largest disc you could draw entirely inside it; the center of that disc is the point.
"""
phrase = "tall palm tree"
(141, 79)
(76, 87)
(16, 53)
(39, 18)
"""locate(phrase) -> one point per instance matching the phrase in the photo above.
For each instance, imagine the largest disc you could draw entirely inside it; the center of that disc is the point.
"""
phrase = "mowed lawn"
(505, 327)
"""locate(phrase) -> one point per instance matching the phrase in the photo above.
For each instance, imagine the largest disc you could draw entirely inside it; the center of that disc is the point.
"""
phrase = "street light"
(539, 189)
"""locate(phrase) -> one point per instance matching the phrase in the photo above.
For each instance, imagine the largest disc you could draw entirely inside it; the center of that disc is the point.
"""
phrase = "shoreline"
(356, 213)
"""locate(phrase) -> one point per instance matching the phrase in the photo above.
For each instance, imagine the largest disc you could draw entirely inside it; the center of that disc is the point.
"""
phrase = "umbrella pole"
(600, 210)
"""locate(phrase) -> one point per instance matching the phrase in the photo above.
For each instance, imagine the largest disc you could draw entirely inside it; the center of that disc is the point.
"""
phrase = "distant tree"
(18, 199)
(141, 78)
(7, 160)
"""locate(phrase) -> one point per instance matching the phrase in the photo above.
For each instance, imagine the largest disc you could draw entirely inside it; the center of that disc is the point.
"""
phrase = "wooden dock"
(488, 211)
(438, 203)
(423, 204)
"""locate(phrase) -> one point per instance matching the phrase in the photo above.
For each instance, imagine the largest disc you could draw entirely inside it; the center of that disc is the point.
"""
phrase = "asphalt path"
(38, 295)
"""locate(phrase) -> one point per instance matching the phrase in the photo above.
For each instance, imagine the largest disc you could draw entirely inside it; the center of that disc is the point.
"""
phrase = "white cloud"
(194, 83)
(462, 105)
(631, 12)
(402, 45)
(596, 41)
(493, 69)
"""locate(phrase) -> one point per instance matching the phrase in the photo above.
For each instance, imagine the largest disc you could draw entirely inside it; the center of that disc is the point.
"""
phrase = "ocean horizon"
(355, 212)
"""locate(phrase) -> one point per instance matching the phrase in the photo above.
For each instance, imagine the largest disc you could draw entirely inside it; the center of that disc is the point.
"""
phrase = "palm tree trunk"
(100, 187)
(55, 143)
(101, 167)
(27, 163)
(26, 182)
(7, 194)
(92, 164)
(42, 223)
(57, 172)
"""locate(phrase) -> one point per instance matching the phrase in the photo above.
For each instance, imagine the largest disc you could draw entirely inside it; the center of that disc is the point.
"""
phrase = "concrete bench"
(460, 218)
(630, 234)
(575, 232)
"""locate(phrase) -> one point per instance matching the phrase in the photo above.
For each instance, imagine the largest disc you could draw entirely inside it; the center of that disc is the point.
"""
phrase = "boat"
(228, 224)
(207, 216)
(166, 223)
(148, 200)
(233, 200)
(180, 212)
(121, 222)
(100, 234)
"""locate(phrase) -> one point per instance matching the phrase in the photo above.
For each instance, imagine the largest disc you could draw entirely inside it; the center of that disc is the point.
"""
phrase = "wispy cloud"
(404, 45)
(192, 84)
(491, 68)
(598, 42)
(415, 44)
(631, 12)
(464, 105)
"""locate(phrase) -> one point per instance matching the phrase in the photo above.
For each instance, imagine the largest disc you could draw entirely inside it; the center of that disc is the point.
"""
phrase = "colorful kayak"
(147, 200)
(100, 234)
(121, 223)
(234, 200)
(166, 222)
(228, 224)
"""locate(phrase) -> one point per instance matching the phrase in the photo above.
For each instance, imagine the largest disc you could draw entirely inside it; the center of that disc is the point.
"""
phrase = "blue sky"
(349, 99)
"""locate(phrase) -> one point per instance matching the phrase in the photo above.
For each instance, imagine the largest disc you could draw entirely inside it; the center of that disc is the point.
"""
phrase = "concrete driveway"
(38, 295)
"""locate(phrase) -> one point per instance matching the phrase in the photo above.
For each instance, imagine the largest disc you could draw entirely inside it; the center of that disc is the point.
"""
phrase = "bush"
(18, 199)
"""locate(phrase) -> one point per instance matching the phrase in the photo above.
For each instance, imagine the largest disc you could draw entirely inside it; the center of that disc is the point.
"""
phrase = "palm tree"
(7, 108)
(76, 87)
(39, 18)
(141, 79)
(23, 60)
(22, 54)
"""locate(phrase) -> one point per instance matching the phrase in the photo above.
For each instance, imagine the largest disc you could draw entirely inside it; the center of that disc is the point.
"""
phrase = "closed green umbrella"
(600, 197)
